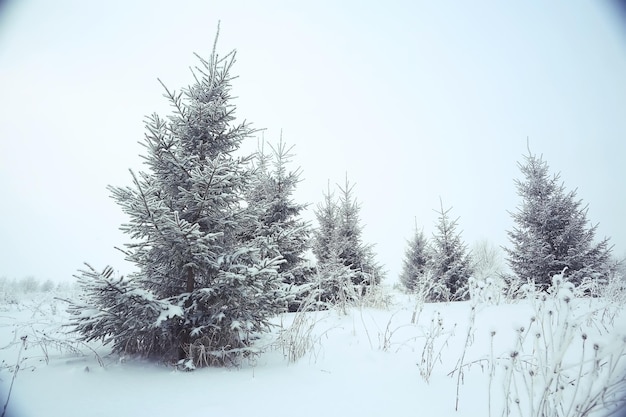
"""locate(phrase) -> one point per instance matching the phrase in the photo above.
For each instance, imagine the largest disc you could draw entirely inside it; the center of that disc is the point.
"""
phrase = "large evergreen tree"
(205, 282)
(450, 263)
(416, 261)
(551, 231)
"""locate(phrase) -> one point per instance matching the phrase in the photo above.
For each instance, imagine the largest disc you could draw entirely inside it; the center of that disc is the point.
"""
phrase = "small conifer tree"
(416, 261)
(551, 232)
(355, 254)
(332, 277)
(280, 215)
(338, 240)
(450, 263)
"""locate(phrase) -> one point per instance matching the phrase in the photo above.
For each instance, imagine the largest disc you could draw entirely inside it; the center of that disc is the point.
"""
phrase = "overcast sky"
(415, 100)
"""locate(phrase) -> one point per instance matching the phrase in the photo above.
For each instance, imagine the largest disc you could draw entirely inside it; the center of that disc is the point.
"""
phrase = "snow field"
(368, 362)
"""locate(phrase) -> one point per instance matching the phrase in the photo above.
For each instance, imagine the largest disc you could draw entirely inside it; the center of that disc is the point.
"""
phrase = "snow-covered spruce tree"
(324, 246)
(416, 260)
(325, 237)
(354, 253)
(205, 282)
(450, 263)
(333, 280)
(551, 231)
(338, 240)
(280, 216)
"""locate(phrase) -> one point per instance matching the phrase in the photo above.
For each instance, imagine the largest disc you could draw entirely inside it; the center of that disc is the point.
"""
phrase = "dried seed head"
(584, 336)
(596, 346)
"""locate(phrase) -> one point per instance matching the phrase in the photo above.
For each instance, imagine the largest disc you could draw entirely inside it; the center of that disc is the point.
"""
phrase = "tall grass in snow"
(302, 335)
(563, 363)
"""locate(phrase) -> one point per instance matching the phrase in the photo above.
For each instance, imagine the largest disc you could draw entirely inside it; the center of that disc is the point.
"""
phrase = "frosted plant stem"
(15, 370)
(417, 312)
(491, 372)
(557, 359)
(366, 331)
(550, 343)
(578, 379)
(528, 387)
(521, 337)
(507, 388)
(459, 376)
(517, 396)
(532, 394)
(613, 364)
(594, 373)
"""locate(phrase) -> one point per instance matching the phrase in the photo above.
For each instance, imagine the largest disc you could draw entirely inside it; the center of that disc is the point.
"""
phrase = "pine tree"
(334, 281)
(450, 263)
(205, 282)
(552, 232)
(344, 262)
(416, 261)
(280, 217)
(354, 253)
(331, 274)
(326, 235)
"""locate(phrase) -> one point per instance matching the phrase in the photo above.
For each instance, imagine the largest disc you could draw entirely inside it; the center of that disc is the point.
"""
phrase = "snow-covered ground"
(487, 360)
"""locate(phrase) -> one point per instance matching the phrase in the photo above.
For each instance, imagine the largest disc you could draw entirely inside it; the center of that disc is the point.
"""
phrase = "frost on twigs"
(562, 362)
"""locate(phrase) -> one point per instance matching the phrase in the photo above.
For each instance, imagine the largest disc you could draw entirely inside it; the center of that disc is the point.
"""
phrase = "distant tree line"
(30, 284)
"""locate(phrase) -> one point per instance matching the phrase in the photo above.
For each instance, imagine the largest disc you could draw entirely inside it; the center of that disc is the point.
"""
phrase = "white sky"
(415, 100)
